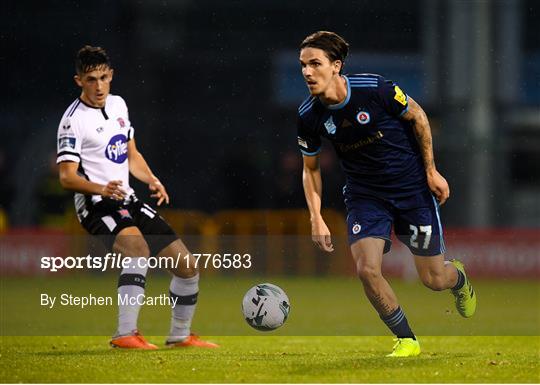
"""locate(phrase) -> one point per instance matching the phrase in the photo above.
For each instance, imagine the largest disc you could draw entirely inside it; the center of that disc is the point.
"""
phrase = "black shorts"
(107, 218)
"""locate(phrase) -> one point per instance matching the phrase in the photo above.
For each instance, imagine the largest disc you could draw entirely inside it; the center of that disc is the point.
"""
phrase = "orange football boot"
(132, 341)
(191, 340)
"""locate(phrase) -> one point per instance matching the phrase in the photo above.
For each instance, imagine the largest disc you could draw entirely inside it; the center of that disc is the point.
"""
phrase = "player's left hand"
(438, 186)
(159, 192)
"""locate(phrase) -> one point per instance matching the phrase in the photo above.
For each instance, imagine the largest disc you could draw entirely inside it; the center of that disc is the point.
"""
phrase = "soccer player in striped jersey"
(383, 139)
(96, 154)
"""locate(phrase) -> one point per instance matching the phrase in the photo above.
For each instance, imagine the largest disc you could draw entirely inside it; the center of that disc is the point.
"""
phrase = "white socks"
(185, 290)
(131, 285)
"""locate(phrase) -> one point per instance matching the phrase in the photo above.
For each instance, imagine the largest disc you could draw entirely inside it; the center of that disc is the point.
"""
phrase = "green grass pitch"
(332, 335)
(272, 359)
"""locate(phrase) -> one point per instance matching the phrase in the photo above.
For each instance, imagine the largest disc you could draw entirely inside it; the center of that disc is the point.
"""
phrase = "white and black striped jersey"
(96, 138)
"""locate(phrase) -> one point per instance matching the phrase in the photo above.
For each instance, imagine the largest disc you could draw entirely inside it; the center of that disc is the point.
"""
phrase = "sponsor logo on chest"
(116, 150)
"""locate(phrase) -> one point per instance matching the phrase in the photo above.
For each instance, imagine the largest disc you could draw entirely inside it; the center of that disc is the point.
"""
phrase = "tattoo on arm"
(422, 131)
(423, 135)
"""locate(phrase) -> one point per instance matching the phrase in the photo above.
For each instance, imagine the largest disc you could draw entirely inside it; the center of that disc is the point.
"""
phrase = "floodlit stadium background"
(213, 89)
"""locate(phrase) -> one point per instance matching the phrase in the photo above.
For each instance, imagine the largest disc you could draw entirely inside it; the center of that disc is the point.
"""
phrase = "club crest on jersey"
(356, 228)
(330, 125)
(116, 150)
(363, 117)
(121, 122)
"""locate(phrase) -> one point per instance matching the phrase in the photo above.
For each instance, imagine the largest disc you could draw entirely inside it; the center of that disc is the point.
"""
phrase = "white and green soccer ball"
(266, 307)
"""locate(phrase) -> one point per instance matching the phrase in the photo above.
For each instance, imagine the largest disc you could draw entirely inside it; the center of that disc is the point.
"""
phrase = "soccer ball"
(266, 307)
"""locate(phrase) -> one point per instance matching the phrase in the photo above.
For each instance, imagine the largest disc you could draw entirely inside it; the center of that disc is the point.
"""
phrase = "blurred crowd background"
(213, 89)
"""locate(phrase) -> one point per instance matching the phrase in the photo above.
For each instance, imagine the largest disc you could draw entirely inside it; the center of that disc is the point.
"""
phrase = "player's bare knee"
(434, 282)
(368, 273)
(185, 272)
(185, 269)
(131, 246)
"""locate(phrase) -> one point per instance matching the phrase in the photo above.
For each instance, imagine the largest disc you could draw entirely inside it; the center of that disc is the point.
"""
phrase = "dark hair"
(333, 45)
(89, 58)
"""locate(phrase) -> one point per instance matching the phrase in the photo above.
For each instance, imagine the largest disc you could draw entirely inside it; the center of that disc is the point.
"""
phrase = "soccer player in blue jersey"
(383, 139)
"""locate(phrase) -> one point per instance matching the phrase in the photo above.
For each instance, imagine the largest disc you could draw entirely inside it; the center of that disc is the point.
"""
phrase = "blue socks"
(397, 323)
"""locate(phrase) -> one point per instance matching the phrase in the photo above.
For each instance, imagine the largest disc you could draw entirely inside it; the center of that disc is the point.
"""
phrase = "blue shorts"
(416, 221)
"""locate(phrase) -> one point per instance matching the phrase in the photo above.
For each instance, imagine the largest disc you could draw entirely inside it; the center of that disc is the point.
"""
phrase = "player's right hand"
(438, 186)
(320, 234)
(113, 190)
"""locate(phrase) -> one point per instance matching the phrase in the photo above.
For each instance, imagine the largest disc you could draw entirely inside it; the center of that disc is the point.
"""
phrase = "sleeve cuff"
(310, 153)
(68, 157)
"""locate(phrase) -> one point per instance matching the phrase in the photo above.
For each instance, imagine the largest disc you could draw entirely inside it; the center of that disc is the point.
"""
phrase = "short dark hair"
(89, 58)
(333, 45)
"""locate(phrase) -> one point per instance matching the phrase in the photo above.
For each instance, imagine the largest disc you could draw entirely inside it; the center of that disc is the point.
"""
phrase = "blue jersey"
(378, 150)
